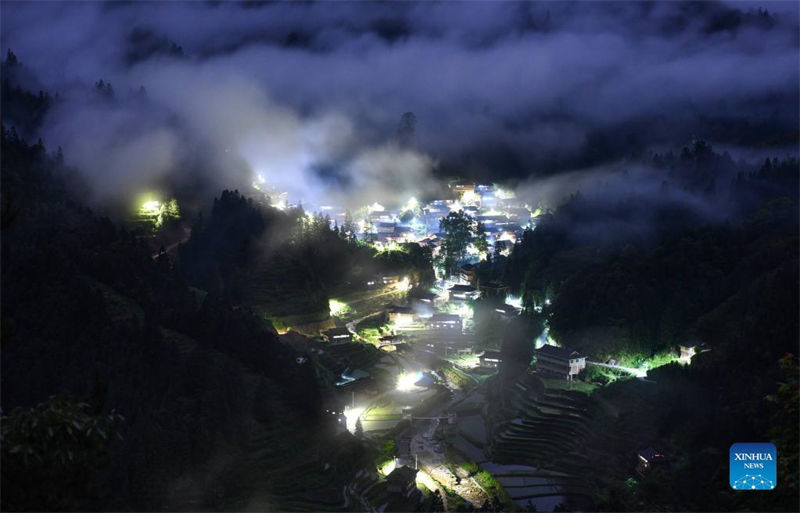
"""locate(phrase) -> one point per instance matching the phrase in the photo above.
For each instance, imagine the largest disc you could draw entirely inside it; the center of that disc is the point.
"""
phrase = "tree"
(104, 89)
(406, 129)
(11, 59)
(349, 228)
(784, 429)
(457, 228)
(481, 244)
(49, 452)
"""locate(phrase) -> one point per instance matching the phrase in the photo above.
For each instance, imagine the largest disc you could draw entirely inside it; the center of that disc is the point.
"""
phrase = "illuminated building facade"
(559, 361)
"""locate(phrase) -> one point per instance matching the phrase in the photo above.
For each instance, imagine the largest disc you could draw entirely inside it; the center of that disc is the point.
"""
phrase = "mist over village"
(399, 256)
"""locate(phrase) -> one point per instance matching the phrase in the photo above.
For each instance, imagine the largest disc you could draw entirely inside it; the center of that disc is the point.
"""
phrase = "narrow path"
(630, 370)
(187, 233)
(351, 326)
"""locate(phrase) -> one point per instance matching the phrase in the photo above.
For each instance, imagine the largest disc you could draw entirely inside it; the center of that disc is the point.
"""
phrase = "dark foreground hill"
(122, 389)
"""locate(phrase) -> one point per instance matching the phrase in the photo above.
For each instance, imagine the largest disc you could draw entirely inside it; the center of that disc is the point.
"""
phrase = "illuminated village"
(390, 257)
(420, 397)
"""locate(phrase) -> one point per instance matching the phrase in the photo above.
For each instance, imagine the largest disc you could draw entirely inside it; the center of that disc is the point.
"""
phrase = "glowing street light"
(337, 308)
(351, 415)
(426, 480)
(406, 381)
(150, 207)
(388, 466)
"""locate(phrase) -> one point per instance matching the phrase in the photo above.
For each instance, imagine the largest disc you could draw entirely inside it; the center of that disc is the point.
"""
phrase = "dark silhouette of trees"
(104, 89)
(406, 129)
(87, 313)
(50, 451)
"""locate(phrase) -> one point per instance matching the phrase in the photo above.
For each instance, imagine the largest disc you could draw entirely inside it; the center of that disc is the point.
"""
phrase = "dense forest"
(134, 381)
(286, 262)
(98, 333)
(672, 275)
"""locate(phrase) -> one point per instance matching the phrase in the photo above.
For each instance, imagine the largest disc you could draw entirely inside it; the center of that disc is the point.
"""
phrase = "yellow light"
(151, 207)
(337, 308)
(504, 193)
(470, 197)
(351, 416)
(426, 480)
(402, 320)
(406, 381)
(403, 285)
(509, 236)
(463, 310)
(387, 467)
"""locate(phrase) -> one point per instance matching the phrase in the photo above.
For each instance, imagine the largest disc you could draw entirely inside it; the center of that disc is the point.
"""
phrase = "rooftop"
(422, 294)
(334, 332)
(558, 352)
(507, 309)
(462, 288)
(497, 355)
(440, 317)
(402, 475)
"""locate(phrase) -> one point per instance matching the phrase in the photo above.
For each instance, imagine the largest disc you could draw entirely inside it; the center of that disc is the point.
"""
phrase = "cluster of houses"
(503, 216)
(551, 361)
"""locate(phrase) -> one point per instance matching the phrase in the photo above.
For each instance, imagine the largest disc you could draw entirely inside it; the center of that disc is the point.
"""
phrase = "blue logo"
(753, 466)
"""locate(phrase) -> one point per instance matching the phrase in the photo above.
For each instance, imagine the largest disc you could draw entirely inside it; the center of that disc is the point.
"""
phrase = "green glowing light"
(337, 308)
(157, 212)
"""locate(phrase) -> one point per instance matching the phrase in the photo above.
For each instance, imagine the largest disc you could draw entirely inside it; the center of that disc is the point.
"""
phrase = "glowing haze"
(309, 95)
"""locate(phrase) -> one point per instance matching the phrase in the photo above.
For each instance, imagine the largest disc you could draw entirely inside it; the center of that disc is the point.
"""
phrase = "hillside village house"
(467, 273)
(490, 359)
(388, 279)
(462, 189)
(688, 350)
(493, 289)
(559, 361)
(507, 311)
(402, 481)
(422, 300)
(444, 321)
(401, 315)
(463, 292)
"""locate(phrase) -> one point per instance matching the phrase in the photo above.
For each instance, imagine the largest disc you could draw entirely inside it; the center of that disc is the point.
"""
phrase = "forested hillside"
(630, 279)
(90, 317)
(285, 263)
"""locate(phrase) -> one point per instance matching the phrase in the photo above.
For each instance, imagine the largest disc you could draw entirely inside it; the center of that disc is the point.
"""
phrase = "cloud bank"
(309, 95)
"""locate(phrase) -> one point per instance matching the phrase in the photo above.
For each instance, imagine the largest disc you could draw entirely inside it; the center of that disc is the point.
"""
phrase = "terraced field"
(295, 474)
(543, 437)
